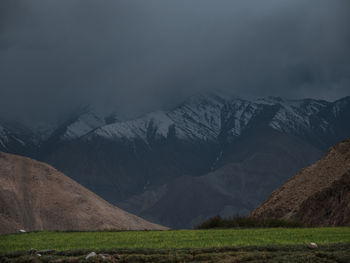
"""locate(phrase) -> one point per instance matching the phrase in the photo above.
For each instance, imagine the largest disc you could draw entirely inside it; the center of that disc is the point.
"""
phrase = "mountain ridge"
(209, 112)
(122, 160)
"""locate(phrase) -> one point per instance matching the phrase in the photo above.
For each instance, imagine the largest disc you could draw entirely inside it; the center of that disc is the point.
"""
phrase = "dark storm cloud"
(137, 54)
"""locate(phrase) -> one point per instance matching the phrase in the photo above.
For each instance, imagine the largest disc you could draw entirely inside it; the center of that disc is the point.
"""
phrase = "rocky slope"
(318, 195)
(35, 196)
(328, 207)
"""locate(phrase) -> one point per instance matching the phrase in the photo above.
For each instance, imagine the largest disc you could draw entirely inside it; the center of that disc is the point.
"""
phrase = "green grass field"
(267, 245)
(63, 241)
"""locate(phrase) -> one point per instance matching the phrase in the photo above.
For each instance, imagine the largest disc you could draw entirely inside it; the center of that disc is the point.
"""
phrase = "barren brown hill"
(318, 195)
(35, 196)
(329, 207)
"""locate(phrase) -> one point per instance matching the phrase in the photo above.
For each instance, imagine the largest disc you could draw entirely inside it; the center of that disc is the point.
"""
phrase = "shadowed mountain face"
(318, 195)
(250, 168)
(35, 196)
(210, 155)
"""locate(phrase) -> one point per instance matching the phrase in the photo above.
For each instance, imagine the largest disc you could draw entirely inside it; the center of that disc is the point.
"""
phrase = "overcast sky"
(139, 54)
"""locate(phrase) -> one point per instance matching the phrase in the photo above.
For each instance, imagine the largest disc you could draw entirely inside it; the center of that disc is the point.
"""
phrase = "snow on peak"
(205, 117)
(199, 118)
(196, 118)
(237, 115)
(297, 115)
(82, 125)
(291, 116)
(138, 128)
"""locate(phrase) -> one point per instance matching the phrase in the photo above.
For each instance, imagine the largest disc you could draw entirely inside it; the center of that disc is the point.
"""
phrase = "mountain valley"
(211, 154)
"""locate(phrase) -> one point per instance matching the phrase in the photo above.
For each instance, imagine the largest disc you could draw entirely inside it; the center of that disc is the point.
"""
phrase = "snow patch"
(198, 118)
(83, 125)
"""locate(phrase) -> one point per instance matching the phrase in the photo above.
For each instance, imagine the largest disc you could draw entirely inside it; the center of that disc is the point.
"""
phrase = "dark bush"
(246, 222)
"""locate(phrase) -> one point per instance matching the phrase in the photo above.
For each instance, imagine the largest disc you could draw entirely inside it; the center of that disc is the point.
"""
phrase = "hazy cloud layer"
(139, 54)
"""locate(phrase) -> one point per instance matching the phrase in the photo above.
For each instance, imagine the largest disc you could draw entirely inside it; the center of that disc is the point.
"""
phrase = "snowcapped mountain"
(79, 123)
(207, 117)
(226, 153)
(313, 120)
(198, 118)
(39, 137)
(82, 124)
(298, 116)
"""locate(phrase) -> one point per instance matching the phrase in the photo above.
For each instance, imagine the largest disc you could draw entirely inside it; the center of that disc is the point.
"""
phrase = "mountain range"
(211, 154)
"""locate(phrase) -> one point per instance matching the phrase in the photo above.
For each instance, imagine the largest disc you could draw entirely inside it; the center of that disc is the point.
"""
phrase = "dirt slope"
(35, 196)
(318, 195)
(329, 207)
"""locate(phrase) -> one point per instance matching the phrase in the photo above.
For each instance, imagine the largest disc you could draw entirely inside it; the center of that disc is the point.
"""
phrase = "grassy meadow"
(173, 239)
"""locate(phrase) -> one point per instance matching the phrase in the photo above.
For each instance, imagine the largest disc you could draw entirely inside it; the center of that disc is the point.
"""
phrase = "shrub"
(246, 222)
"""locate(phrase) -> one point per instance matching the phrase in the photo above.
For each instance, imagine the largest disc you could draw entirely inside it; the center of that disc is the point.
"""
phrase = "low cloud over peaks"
(144, 54)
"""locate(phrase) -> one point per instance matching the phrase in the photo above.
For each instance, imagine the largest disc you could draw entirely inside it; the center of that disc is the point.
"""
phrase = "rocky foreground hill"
(35, 196)
(318, 195)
